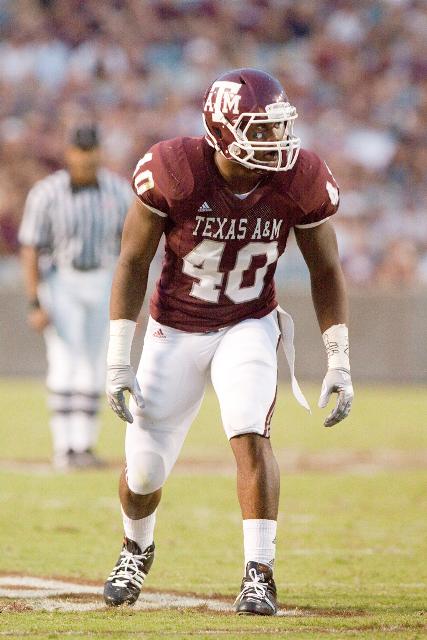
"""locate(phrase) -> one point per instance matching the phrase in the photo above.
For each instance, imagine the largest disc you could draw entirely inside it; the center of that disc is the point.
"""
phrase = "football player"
(225, 204)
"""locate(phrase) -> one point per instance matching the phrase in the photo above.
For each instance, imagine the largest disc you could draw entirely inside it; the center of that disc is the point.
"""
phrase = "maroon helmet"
(248, 119)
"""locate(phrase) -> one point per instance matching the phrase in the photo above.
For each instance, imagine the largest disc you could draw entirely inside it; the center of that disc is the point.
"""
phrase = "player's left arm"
(38, 317)
(318, 245)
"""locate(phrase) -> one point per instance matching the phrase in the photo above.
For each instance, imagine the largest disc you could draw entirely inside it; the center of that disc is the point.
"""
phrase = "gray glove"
(337, 381)
(122, 378)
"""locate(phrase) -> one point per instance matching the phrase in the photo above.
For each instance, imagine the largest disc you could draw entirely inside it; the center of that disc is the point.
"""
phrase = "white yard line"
(42, 594)
(53, 595)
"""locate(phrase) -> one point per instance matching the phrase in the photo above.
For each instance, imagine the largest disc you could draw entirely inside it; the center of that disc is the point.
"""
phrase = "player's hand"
(337, 381)
(38, 319)
(121, 378)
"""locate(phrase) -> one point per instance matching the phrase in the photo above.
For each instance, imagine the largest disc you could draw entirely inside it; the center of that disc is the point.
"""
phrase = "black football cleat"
(258, 591)
(124, 583)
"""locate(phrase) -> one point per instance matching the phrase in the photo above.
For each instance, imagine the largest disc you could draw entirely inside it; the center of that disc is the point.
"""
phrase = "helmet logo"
(223, 98)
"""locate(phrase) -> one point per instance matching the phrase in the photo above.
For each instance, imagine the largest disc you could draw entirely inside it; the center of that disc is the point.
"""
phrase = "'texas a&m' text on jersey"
(221, 251)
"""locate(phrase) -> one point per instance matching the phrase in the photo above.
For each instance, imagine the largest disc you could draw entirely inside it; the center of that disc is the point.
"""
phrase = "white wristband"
(120, 344)
(335, 340)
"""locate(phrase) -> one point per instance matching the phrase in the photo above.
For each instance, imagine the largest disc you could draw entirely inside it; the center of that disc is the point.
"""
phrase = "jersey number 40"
(202, 263)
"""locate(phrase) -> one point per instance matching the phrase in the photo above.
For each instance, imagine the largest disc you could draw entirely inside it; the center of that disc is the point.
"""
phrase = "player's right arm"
(35, 233)
(141, 236)
(142, 231)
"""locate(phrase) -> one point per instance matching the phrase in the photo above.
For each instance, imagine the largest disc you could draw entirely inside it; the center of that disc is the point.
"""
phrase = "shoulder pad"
(173, 165)
(308, 187)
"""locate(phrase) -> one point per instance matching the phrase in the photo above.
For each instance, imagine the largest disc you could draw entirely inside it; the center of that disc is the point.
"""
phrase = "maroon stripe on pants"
(269, 415)
(266, 433)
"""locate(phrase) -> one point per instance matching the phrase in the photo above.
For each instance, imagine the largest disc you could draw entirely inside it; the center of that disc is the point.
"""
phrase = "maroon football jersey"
(221, 252)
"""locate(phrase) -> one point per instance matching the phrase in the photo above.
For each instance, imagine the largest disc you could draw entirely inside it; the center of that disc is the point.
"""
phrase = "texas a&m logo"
(223, 98)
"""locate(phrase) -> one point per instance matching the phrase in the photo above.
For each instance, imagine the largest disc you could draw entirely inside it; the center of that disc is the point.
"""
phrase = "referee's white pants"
(76, 339)
(76, 345)
(174, 368)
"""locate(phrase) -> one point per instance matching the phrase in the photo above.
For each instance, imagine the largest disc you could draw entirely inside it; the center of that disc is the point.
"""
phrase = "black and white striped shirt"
(79, 228)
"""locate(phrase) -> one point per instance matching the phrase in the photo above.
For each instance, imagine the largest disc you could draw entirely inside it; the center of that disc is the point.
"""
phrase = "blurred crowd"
(356, 72)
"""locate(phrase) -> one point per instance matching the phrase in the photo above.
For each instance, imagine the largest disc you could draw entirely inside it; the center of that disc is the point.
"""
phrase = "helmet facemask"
(246, 151)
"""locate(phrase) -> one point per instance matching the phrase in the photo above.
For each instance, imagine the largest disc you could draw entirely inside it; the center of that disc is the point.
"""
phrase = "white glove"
(337, 381)
(122, 378)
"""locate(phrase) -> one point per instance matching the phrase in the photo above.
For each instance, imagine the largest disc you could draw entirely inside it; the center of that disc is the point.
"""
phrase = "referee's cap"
(85, 137)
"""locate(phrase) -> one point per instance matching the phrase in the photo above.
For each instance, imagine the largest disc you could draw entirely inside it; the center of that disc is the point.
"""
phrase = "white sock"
(60, 427)
(84, 431)
(140, 531)
(259, 539)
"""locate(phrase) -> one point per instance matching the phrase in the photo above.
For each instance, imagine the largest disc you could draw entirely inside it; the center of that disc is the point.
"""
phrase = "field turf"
(352, 543)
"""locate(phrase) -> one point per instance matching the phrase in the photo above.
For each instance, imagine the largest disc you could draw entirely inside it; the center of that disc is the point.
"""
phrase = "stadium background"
(355, 71)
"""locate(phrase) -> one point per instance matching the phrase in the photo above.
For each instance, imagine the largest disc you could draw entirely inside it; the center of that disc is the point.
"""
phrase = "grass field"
(352, 544)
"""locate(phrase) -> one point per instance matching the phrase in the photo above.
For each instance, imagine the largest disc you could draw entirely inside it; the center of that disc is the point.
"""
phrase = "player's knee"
(146, 472)
(253, 451)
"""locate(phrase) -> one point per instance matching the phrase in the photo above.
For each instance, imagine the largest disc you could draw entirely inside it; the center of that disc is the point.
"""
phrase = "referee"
(70, 239)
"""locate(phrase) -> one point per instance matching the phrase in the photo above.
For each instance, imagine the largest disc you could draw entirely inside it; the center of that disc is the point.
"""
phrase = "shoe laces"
(254, 586)
(129, 570)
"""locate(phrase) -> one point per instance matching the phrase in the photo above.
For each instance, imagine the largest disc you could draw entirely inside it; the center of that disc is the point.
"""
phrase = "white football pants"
(76, 344)
(174, 368)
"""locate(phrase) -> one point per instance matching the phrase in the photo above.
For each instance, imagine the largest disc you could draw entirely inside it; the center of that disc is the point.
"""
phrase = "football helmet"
(248, 118)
